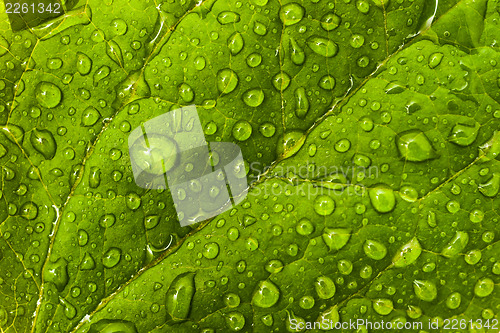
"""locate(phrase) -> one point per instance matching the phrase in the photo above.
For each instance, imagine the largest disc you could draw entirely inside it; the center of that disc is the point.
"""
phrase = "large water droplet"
(227, 80)
(179, 296)
(114, 52)
(95, 177)
(112, 257)
(69, 309)
(464, 135)
(235, 321)
(330, 21)
(44, 143)
(290, 143)
(425, 290)
(484, 287)
(266, 294)
(83, 63)
(291, 13)
(456, 245)
(323, 46)
(414, 146)
(242, 130)
(119, 26)
(324, 205)
(491, 187)
(382, 199)
(330, 316)
(281, 81)
(435, 59)
(383, 306)
(407, 254)
(453, 300)
(253, 97)
(87, 262)
(235, 43)
(211, 250)
(336, 239)
(90, 116)
(228, 17)
(363, 6)
(186, 92)
(29, 210)
(133, 201)
(374, 249)
(325, 287)
(48, 94)
(301, 102)
(57, 273)
(297, 54)
(100, 74)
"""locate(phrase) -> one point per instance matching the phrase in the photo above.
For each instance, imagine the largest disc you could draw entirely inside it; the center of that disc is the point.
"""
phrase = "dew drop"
(119, 27)
(242, 130)
(253, 97)
(211, 250)
(133, 201)
(425, 290)
(336, 239)
(112, 257)
(414, 146)
(330, 21)
(435, 59)
(83, 63)
(383, 306)
(90, 116)
(266, 294)
(235, 321)
(297, 54)
(291, 13)
(456, 245)
(382, 199)
(324, 205)
(301, 102)
(484, 287)
(322, 46)
(228, 17)
(57, 273)
(48, 94)
(374, 250)
(235, 43)
(407, 254)
(227, 81)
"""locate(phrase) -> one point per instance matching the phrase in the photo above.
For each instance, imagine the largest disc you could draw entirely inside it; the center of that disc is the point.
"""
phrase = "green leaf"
(370, 135)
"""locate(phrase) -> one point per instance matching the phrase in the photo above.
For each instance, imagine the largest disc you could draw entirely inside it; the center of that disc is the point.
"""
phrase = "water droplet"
(414, 146)
(83, 237)
(345, 266)
(336, 239)
(199, 63)
(374, 249)
(57, 273)
(235, 321)
(293, 322)
(425, 290)
(327, 82)
(83, 63)
(267, 129)
(228, 17)
(407, 254)
(363, 6)
(324, 205)
(281, 81)
(90, 116)
(408, 193)
(69, 309)
(227, 81)
(119, 27)
(395, 88)
(242, 130)
(491, 187)
(484, 287)
(301, 102)
(114, 52)
(456, 245)
(87, 263)
(48, 94)
(4, 48)
(54, 63)
(231, 300)
(29, 210)
(186, 92)
(382, 199)
(107, 220)
(291, 13)
(112, 257)
(259, 28)
(342, 145)
(133, 201)
(100, 74)
(151, 221)
(211, 250)
(297, 54)
(235, 43)
(435, 59)
(383, 306)
(266, 294)
(325, 287)
(330, 21)
(253, 97)
(254, 60)
(4, 315)
(267, 320)
(361, 160)
(357, 41)
(274, 266)
(322, 46)
(290, 144)
(464, 135)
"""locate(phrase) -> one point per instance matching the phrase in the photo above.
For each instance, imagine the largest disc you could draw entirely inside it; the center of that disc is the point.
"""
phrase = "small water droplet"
(425, 290)
(112, 257)
(435, 59)
(83, 63)
(374, 249)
